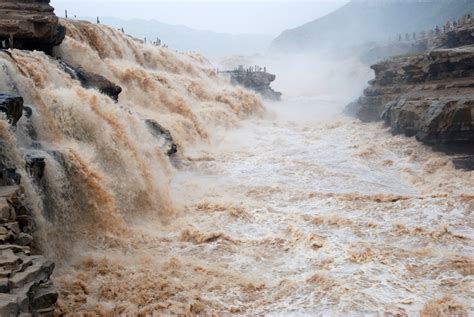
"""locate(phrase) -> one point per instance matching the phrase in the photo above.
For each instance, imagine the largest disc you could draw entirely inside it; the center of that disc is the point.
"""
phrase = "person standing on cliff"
(448, 26)
(98, 20)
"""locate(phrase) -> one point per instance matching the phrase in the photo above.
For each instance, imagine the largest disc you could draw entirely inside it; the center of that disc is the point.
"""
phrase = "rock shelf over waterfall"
(29, 24)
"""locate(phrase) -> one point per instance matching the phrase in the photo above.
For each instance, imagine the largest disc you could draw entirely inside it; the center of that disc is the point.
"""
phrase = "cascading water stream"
(104, 166)
(282, 214)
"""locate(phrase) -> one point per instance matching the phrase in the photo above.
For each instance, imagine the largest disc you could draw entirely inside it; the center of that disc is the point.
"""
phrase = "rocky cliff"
(258, 81)
(428, 95)
(25, 285)
(29, 24)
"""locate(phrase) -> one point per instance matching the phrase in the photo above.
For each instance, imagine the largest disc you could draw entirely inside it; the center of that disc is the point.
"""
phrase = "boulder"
(12, 107)
(9, 176)
(159, 132)
(42, 296)
(35, 166)
(92, 80)
(96, 81)
(30, 25)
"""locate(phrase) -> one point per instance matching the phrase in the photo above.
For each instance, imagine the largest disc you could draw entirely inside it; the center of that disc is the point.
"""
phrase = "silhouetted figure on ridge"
(98, 20)
(448, 26)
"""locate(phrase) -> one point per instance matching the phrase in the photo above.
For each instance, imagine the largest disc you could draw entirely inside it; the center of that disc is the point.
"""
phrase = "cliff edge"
(30, 25)
(428, 95)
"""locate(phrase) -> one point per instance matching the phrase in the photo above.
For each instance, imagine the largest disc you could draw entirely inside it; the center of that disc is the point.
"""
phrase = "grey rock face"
(29, 24)
(105, 86)
(94, 81)
(12, 107)
(25, 286)
(159, 132)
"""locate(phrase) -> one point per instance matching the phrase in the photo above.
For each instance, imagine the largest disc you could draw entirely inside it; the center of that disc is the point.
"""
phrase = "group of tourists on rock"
(447, 27)
(155, 43)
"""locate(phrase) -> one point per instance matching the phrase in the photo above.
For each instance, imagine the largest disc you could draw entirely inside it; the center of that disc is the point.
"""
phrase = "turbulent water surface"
(293, 216)
(280, 210)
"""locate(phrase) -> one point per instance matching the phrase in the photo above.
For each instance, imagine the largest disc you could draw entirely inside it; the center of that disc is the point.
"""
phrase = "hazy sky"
(229, 16)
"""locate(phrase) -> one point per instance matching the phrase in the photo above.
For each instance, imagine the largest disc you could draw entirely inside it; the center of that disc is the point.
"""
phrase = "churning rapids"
(274, 209)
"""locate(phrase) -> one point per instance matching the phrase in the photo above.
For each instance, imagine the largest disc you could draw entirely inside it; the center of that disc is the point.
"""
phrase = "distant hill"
(183, 38)
(371, 20)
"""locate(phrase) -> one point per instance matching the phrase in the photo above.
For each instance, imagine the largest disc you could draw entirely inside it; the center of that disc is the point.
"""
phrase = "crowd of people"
(447, 27)
(155, 43)
(251, 69)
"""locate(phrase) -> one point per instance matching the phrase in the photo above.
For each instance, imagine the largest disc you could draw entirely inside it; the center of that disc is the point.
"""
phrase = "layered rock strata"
(428, 95)
(25, 285)
(30, 25)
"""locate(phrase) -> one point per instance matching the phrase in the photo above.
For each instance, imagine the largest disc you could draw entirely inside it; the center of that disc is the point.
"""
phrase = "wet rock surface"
(428, 95)
(12, 106)
(25, 287)
(105, 86)
(29, 24)
(94, 81)
(258, 81)
(159, 132)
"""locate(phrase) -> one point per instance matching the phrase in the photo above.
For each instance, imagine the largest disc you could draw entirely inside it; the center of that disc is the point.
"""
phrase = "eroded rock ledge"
(428, 95)
(258, 81)
(30, 25)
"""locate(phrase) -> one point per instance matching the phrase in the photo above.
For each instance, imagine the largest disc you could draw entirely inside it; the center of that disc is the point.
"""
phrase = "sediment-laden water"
(287, 209)
(290, 216)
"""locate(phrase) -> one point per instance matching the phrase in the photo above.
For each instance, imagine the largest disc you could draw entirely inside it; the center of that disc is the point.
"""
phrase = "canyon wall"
(429, 95)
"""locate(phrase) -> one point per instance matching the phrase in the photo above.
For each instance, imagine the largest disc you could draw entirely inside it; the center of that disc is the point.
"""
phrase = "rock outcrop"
(159, 132)
(30, 25)
(25, 286)
(258, 81)
(93, 81)
(12, 107)
(428, 95)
